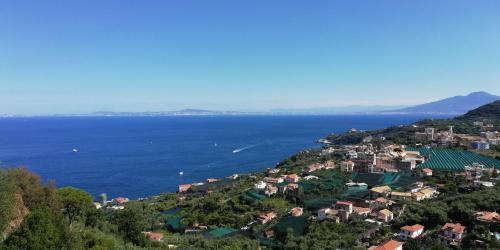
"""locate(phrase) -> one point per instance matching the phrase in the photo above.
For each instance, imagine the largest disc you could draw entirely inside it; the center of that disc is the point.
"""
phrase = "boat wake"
(244, 148)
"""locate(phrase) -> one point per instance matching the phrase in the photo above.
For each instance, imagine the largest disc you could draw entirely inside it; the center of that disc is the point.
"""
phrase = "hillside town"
(376, 187)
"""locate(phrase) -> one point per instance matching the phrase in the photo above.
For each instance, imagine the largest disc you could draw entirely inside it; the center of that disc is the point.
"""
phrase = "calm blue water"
(141, 156)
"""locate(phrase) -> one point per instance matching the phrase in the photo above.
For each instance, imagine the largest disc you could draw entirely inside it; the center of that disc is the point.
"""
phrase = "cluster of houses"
(391, 158)
(449, 233)
(483, 141)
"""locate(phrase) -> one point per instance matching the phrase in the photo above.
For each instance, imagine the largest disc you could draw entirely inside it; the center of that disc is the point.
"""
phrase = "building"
(401, 196)
(451, 233)
(273, 180)
(363, 211)
(426, 172)
(344, 205)
(154, 236)
(210, 180)
(270, 190)
(266, 217)
(480, 145)
(487, 184)
(184, 187)
(292, 178)
(411, 232)
(347, 166)
(297, 211)
(121, 200)
(260, 185)
(487, 217)
(380, 191)
(329, 213)
(388, 245)
(315, 166)
(385, 215)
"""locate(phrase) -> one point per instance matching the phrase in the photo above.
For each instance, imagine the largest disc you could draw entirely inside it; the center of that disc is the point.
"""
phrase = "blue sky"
(84, 56)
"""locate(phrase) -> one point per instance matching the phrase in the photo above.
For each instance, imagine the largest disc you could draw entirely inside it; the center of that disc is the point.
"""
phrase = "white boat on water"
(75, 150)
(181, 173)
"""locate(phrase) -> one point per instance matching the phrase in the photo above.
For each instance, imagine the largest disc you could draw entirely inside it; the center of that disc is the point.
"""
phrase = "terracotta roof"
(456, 228)
(427, 170)
(389, 245)
(488, 216)
(361, 210)
(293, 176)
(154, 236)
(413, 228)
(381, 200)
(344, 202)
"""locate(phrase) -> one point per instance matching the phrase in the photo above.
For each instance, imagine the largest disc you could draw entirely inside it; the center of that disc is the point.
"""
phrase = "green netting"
(395, 180)
(254, 195)
(318, 203)
(296, 224)
(172, 211)
(220, 232)
(453, 160)
(174, 223)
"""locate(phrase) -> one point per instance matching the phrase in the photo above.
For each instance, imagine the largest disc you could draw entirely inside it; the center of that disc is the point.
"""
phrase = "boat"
(75, 150)
(181, 173)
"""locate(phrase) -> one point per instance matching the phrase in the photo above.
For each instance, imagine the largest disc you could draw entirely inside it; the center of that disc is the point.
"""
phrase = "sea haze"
(142, 156)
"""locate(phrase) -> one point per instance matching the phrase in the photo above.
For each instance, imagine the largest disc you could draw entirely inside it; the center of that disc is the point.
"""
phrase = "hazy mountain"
(170, 113)
(354, 109)
(452, 105)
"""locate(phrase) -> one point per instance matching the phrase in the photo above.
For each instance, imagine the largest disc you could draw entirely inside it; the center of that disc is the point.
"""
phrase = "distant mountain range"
(456, 105)
(170, 113)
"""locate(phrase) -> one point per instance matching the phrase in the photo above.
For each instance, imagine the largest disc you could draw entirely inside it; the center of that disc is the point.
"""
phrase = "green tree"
(130, 224)
(75, 202)
(41, 230)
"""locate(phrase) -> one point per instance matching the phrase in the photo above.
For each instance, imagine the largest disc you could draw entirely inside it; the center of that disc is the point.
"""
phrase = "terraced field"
(453, 160)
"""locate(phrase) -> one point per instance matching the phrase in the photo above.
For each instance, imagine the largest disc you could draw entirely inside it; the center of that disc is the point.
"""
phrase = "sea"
(143, 156)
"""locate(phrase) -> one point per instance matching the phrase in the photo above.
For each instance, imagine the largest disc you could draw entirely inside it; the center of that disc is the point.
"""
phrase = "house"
(385, 215)
(97, 205)
(273, 180)
(411, 232)
(329, 165)
(487, 217)
(315, 166)
(347, 166)
(270, 190)
(329, 213)
(344, 205)
(210, 180)
(363, 211)
(154, 236)
(425, 193)
(380, 191)
(388, 245)
(121, 200)
(452, 233)
(184, 188)
(297, 211)
(401, 196)
(483, 184)
(380, 202)
(266, 217)
(260, 185)
(292, 178)
(426, 172)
